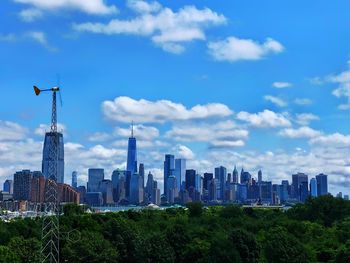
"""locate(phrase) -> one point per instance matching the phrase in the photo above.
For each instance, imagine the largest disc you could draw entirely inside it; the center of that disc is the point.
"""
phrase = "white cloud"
(141, 6)
(264, 119)
(30, 14)
(141, 132)
(306, 118)
(166, 28)
(275, 100)
(219, 134)
(10, 131)
(335, 140)
(125, 109)
(343, 90)
(183, 151)
(302, 101)
(99, 137)
(281, 85)
(233, 49)
(301, 132)
(39, 37)
(96, 7)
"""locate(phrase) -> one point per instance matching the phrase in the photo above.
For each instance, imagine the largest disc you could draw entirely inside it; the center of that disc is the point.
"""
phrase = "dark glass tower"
(131, 164)
(48, 157)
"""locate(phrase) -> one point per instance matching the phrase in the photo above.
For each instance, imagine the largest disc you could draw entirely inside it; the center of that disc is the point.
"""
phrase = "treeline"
(317, 231)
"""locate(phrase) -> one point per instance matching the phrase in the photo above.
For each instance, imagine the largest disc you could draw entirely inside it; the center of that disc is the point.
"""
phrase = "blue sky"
(259, 84)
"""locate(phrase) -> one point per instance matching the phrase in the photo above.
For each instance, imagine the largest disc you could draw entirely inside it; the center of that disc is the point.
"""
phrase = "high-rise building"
(284, 191)
(221, 176)
(116, 175)
(300, 186)
(75, 179)
(8, 186)
(207, 178)
(245, 177)
(266, 192)
(136, 191)
(172, 189)
(49, 156)
(322, 184)
(82, 192)
(106, 188)
(180, 172)
(313, 187)
(169, 168)
(142, 174)
(131, 164)
(67, 194)
(235, 176)
(149, 187)
(37, 191)
(96, 175)
(22, 185)
(94, 198)
(259, 176)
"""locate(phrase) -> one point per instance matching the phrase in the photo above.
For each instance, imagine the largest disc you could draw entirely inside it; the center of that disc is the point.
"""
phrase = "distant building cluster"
(181, 185)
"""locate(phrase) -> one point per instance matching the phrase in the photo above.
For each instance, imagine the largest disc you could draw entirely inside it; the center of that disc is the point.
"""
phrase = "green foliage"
(8, 256)
(195, 209)
(318, 231)
(73, 209)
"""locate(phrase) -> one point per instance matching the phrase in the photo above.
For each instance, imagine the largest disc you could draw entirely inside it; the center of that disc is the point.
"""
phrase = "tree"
(8, 256)
(27, 250)
(246, 244)
(281, 247)
(195, 209)
(157, 249)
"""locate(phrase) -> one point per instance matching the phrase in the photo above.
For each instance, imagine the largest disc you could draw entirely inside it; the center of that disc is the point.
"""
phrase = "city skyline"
(277, 105)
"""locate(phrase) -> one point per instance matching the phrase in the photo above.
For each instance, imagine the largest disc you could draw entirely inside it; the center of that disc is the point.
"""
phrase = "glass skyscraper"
(96, 176)
(131, 162)
(75, 179)
(48, 158)
(180, 172)
(169, 167)
(221, 176)
(313, 187)
(322, 184)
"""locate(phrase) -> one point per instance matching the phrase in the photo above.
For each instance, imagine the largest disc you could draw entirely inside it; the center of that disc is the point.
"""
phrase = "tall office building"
(75, 179)
(116, 176)
(300, 186)
(149, 187)
(142, 173)
(206, 180)
(136, 191)
(48, 157)
(235, 176)
(180, 172)
(259, 176)
(221, 176)
(285, 190)
(96, 175)
(172, 189)
(106, 188)
(37, 190)
(8, 186)
(322, 184)
(313, 187)
(169, 168)
(22, 185)
(131, 162)
(245, 177)
(266, 192)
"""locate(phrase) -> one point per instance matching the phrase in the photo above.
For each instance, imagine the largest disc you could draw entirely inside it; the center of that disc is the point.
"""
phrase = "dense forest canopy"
(317, 231)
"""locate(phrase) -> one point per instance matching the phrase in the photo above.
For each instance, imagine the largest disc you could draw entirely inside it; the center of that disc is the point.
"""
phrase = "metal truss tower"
(50, 249)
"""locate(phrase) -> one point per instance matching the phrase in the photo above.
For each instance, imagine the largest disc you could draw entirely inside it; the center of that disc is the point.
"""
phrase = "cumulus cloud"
(302, 101)
(264, 119)
(233, 49)
(276, 100)
(167, 29)
(335, 140)
(39, 37)
(11, 131)
(99, 137)
(96, 7)
(125, 109)
(301, 132)
(219, 134)
(343, 89)
(281, 85)
(141, 132)
(183, 151)
(306, 118)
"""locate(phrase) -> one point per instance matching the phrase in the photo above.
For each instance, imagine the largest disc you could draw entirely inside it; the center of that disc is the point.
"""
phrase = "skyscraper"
(313, 187)
(322, 184)
(235, 176)
(180, 172)
(49, 157)
(131, 164)
(149, 187)
(245, 177)
(106, 188)
(75, 179)
(300, 186)
(142, 174)
(116, 176)
(221, 176)
(96, 175)
(8, 186)
(22, 185)
(169, 167)
(37, 191)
